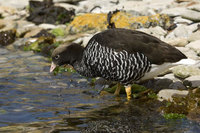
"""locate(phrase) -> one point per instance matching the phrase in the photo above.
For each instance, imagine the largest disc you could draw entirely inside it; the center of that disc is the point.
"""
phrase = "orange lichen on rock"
(98, 22)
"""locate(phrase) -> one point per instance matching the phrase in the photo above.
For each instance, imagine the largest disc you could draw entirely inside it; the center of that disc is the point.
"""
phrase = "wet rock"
(168, 94)
(158, 83)
(7, 37)
(194, 36)
(46, 12)
(177, 85)
(194, 45)
(43, 33)
(185, 71)
(193, 81)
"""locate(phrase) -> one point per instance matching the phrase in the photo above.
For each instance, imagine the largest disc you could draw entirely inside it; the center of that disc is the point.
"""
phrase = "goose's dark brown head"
(66, 54)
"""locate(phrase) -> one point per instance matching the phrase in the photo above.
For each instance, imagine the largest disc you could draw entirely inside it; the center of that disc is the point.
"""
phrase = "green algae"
(174, 116)
(58, 32)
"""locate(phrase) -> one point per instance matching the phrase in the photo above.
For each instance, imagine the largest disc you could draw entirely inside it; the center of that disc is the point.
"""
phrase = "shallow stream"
(33, 100)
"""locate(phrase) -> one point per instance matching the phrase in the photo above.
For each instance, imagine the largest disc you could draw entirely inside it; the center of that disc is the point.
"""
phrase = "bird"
(122, 55)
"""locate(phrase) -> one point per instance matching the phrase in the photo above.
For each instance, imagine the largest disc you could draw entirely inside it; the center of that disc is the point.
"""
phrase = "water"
(32, 99)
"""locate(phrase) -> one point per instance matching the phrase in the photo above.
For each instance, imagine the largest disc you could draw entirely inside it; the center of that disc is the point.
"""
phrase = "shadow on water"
(33, 100)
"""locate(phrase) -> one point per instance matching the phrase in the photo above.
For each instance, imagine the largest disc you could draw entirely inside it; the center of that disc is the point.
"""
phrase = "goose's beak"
(53, 66)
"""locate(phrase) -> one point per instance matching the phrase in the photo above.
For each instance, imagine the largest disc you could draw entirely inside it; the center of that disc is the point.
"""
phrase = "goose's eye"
(57, 56)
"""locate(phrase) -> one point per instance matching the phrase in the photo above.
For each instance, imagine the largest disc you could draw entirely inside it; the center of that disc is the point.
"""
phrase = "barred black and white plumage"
(120, 66)
(119, 55)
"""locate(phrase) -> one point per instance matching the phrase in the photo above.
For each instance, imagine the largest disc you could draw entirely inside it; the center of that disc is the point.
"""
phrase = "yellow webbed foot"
(128, 92)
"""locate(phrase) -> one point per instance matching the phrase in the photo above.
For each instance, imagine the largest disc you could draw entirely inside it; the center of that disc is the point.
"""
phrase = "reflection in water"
(32, 99)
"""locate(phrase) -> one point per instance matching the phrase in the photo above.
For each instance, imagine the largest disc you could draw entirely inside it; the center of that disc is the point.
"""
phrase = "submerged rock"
(46, 12)
(7, 37)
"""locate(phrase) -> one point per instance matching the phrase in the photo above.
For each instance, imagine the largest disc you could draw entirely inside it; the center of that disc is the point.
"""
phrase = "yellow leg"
(117, 91)
(128, 92)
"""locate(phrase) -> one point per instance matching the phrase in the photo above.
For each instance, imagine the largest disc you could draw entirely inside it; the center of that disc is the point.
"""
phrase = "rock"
(7, 24)
(185, 71)
(7, 37)
(47, 26)
(182, 31)
(195, 7)
(32, 32)
(43, 33)
(193, 81)
(66, 6)
(180, 20)
(184, 12)
(14, 3)
(195, 45)
(158, 83)
(98, 22)
(189, 53)
(177, 85)
(194, 36)
(167, 94)
(20, 42)
(179, 42)
(23, 26)
(157, 31)
(6, 11)
(46, 12)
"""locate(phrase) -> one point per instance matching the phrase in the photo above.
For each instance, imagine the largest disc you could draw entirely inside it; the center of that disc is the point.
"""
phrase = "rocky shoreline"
(41, 26)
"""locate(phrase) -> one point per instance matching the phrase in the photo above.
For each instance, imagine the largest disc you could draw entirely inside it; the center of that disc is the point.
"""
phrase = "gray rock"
(194, 36)
(167, 94)
(195, 45)
(177, 85)
(180, 20)
(184, 12)
(195, 7)
(193, 81)
(155, 31)
(182, 31)
(185, 71)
